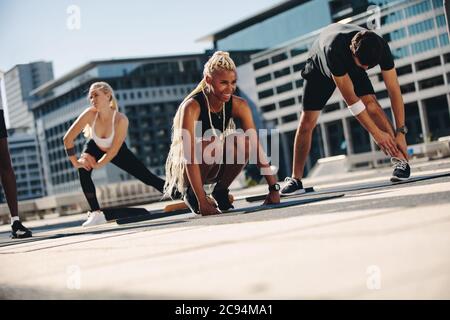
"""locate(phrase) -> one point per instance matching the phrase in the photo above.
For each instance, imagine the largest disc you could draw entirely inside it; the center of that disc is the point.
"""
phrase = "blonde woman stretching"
(213, 105)
(107, 129)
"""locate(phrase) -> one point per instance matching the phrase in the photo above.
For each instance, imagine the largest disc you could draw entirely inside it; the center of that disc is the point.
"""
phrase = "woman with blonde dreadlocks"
(213, 107)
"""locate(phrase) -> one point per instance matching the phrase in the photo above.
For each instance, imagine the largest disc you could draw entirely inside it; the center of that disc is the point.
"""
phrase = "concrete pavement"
(384, 243)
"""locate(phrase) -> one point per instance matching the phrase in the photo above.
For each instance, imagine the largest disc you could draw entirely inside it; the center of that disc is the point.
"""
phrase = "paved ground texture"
(385, 242)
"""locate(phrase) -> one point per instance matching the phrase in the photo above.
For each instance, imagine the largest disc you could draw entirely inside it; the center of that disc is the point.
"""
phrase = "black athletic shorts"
(318, 88)
(3, 133)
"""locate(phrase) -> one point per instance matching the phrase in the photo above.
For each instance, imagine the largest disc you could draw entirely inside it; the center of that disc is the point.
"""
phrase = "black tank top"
(216, 118)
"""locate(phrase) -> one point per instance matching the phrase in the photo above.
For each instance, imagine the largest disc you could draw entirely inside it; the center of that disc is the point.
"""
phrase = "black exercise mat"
(283, 204)
(354, 187)
(124, 212)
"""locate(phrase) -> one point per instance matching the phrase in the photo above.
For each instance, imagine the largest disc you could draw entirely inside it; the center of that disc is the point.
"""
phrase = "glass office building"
(148, 91)
(282, 23)
(416, 33)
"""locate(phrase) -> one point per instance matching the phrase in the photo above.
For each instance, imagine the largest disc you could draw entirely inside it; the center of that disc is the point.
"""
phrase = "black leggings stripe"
(126, 161)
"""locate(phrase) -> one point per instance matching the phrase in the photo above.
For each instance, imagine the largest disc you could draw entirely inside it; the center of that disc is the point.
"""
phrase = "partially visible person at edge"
(213, 105)
(106, 128)
(8, 179)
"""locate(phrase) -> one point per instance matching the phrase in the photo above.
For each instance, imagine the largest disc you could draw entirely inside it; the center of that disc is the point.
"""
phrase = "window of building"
(260, 64)
(424, 45)
(268, 107)
(438, 3)
(289, 118)
(419, 8)
(392, 17)
(299, 83)
(401, 52)
(360, 136)
(431, 82)
(263, 78)
(279, 57)
(381, 94)
(299, 66)
(428, 63)
(395, 35)
(420, 27)
(287, 102)
(283, 72)
(285, 87)
(438, 116)
(299, 50)
(412, 121)
(331, 107)
(440, 21)
(335, 134)
(407, 88)
(443, 40)
(265, 93)
(404, 70)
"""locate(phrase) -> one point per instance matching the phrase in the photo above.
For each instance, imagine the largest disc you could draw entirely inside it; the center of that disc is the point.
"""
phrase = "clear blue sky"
(32, 30)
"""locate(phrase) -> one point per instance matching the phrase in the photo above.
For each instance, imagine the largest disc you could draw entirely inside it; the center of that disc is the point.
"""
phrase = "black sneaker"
(402, 171)
(292, 186)
(19, 231)
(222, 199)
(191, 200)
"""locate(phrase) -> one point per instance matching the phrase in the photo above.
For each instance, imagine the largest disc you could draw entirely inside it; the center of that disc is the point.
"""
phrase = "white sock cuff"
(14, 219)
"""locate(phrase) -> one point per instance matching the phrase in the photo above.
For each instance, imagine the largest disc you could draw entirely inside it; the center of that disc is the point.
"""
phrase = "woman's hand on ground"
(207, 209)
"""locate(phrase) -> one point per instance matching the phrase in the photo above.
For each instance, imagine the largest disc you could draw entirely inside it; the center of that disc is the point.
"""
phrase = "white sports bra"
(103, 142)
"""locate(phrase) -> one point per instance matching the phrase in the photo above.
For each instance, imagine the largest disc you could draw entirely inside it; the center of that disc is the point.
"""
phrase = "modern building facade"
(19, 82)
(416, 33)
(282, 23)
(149, 91)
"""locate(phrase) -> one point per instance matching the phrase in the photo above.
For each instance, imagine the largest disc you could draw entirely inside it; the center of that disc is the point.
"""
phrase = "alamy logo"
(74, 18)
(374, 277)
(73, 281)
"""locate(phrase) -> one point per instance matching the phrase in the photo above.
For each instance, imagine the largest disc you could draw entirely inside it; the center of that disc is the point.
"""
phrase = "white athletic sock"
(14, 219)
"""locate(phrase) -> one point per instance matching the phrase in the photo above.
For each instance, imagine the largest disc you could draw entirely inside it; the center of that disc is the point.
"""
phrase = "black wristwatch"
(274, 187)
(402, 129)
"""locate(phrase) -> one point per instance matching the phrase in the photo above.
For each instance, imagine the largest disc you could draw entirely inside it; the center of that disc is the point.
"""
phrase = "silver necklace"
(221, 136)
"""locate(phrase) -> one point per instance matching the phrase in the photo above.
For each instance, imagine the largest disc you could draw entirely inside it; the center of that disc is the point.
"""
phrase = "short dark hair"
(367, 46)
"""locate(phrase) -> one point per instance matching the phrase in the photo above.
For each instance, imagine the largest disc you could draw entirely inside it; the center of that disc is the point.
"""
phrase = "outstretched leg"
(128, 162)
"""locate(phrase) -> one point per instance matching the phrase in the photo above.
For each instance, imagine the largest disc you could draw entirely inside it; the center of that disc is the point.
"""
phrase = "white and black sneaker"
(292, 186)
(95, 218)
(402, 171)
(18, 231)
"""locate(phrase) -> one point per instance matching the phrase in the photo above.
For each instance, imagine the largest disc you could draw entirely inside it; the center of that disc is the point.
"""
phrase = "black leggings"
(126, 161)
